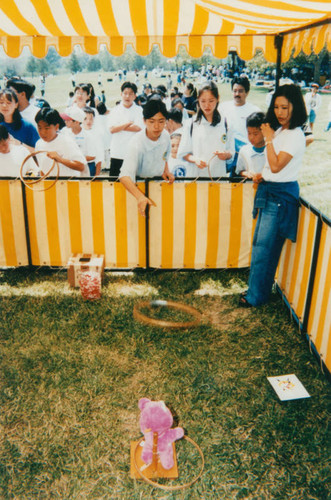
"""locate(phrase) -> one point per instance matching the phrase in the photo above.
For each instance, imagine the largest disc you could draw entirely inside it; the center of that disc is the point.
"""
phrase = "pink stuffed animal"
(156, 417)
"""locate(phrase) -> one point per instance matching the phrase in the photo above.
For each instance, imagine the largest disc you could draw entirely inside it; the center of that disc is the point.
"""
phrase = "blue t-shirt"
(27, 133)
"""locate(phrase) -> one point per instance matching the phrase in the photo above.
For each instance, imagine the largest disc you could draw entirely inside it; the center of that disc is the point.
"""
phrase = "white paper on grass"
(288, 387)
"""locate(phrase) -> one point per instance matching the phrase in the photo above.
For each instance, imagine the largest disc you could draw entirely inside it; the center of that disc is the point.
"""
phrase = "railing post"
(26, 224)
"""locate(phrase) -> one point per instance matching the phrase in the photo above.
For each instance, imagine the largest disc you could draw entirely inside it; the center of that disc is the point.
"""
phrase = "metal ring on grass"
(166, 324)
(163, 486)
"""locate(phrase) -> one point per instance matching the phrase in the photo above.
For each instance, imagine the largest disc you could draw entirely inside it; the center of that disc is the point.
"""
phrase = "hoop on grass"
(163, 486)
(163, 323)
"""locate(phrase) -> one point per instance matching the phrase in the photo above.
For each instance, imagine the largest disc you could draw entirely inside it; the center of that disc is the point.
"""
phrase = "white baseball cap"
(75, 113)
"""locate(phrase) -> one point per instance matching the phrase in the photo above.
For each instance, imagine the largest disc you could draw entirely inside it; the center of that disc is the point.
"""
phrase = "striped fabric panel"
(13, 247)
(85, 217)
(198, 225)
(319, 323)
(295, 262)
(194, 23)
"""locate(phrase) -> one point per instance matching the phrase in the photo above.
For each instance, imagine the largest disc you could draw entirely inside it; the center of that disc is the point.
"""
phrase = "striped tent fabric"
(13, 243)
(241, 25)
(85, 217)
(201, 225)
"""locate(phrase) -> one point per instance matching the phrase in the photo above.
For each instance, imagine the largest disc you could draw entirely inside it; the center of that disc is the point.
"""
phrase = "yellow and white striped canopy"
(223, 25)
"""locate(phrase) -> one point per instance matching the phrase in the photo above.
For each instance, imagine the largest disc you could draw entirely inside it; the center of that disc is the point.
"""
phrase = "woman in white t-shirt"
(205, 138)
(277, 197)
(12, 156)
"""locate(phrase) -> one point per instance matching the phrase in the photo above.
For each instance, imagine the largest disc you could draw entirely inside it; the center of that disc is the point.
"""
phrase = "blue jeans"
(267, 247)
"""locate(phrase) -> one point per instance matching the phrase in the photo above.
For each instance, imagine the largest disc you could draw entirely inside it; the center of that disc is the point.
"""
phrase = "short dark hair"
(89, 110)
(129, 85)
(3, 133)
(50, 116)
(21, 86)
(101, 108)
(241, 80)
(176, 115)
(255, 119)
(293, 94)
(154, 106)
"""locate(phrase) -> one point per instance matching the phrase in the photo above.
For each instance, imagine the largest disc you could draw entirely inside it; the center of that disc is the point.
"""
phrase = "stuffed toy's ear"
(143, 402)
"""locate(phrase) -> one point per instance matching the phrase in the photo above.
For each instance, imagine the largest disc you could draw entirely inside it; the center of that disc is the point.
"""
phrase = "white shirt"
(66, 147)
(250, 160)
(292, 142)
(118, 116)
(84, 141)
(202, 140)
(10, 163)
(181, 168)
(29, 114)
(146, 158)
(312, 102)
(236, 117)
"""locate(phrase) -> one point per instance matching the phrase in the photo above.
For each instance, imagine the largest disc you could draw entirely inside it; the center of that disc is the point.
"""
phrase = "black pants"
(115, 167)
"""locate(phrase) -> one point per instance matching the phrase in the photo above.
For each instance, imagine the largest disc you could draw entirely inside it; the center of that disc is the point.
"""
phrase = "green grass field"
(72, 372)
(315, 178)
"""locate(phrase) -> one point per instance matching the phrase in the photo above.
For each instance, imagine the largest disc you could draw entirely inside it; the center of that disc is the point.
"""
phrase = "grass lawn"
(72, 372)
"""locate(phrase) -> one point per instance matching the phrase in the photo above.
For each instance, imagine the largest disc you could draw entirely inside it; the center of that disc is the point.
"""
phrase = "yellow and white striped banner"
(222, 25)
(13, 245)
(295, 262)
(199, 225)
(85, 217)
(319, 322)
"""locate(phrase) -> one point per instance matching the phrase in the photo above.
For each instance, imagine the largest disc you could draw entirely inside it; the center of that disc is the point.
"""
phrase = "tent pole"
(278, 46)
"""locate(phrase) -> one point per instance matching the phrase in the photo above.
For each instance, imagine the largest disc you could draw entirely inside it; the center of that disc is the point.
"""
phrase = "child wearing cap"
(84, 141)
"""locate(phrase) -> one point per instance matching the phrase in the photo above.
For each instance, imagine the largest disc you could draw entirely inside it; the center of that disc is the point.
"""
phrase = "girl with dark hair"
(277, 197)
(59, 146)
(148, 153)
(82, 95)
(205, 137)
(24, 132)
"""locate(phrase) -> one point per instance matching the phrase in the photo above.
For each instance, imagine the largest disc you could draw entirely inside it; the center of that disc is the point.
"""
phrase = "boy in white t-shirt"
(12, 156)
(125, 120)
(148, 153)
(251, 158)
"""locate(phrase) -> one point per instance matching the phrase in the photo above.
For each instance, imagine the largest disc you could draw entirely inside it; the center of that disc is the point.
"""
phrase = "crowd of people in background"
(172, 132)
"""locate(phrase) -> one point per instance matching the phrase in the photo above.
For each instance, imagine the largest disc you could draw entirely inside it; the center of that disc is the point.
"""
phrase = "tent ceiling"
(242, 25)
